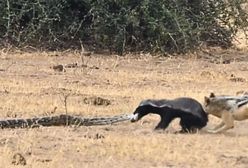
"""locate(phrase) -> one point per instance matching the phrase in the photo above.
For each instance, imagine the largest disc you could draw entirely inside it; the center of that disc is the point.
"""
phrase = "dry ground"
(31, 87)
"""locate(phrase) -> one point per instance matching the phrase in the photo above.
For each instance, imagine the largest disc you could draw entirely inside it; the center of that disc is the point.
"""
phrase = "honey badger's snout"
(134, 117)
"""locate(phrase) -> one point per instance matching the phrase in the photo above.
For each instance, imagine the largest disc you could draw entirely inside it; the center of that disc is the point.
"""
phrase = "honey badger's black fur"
(188, 110)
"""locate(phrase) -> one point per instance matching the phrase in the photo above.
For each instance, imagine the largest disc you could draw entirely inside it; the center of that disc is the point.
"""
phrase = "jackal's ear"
(212, 95)
(206, 100)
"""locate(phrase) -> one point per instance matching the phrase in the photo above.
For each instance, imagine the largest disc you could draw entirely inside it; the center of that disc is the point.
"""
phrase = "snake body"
(61, 120)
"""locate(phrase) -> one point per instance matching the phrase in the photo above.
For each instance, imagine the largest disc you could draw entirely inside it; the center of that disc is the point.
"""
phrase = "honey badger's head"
(144, 108)
(139, 113)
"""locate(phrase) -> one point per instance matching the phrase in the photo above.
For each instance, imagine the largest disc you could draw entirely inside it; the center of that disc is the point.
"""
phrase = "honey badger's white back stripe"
(149, 102)
(163, 103)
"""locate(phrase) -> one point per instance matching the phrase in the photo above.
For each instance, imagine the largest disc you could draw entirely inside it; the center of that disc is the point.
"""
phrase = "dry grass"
(30, 87)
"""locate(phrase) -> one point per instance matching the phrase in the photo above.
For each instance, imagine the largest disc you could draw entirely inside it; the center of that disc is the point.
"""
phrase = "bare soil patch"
(103, 85)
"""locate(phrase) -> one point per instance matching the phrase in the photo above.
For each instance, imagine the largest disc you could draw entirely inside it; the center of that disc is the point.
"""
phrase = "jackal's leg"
(221, 124)
(228, 121)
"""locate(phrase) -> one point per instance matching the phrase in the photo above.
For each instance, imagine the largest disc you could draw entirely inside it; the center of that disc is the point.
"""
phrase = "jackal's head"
(215, 105)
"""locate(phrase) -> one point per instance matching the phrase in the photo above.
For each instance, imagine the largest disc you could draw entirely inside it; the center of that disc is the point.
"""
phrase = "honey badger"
(228, 108)
(191, 114)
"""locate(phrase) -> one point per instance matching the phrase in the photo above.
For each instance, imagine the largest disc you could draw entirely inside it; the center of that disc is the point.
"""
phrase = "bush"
(122, 25)
(44, 22)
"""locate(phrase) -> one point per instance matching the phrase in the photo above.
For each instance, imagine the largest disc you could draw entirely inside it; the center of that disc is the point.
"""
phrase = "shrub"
(122, 25)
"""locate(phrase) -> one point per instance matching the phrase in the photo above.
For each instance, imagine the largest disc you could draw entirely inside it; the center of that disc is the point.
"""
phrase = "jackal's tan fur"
(226, 108)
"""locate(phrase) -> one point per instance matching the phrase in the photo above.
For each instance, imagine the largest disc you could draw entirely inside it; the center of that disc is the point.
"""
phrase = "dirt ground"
(31, 85)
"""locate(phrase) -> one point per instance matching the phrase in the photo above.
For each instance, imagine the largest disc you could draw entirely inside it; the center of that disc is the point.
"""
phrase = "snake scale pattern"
(61, 120)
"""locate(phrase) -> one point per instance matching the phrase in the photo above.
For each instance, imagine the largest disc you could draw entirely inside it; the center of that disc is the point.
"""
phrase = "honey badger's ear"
(212, 95)
(206, 100)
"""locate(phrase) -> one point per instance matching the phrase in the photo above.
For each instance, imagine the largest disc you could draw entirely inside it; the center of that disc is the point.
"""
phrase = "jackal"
(228, 108)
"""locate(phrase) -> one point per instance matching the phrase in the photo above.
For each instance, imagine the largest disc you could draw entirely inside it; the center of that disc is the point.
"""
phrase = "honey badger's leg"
(228, 121)
(164, 123)
(187, 126)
